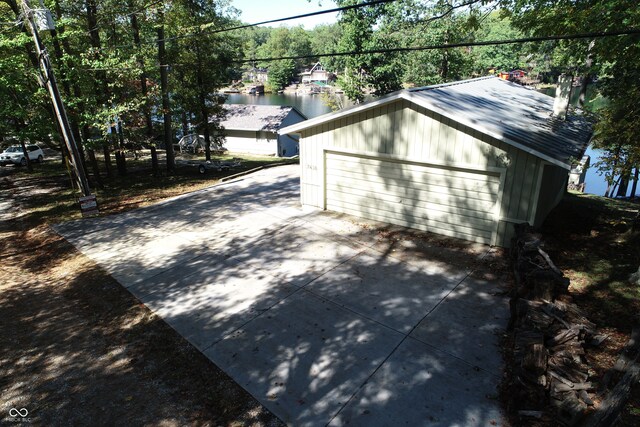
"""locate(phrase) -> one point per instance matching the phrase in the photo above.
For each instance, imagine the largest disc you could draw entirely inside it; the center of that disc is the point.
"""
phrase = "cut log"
(610, 408)
(550, 263)
(629, 355)
(531, 414)
(564, 336)
(535, 360)
(561, 387)
(570, 410)
(584, 396)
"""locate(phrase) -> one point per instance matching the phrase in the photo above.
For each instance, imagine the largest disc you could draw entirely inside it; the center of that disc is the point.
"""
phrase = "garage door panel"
(436, 201)
(419, 223)
(383, 173)
(418, 187)
(421, 213)
(449, 201)
(392, 169)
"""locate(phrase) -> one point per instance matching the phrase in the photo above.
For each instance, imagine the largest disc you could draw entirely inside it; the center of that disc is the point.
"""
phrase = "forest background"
(136, 71)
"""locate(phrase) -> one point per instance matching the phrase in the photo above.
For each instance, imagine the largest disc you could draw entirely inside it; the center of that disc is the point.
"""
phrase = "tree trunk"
(634, 186)
(25, 153)
(624, 186)
(121, 149)
(204, 111)
(107, 159)
(164, 84)
(610, 190)
(96, 168)
(185, 123)
(154, 160)
(143, 90)
(586, 78)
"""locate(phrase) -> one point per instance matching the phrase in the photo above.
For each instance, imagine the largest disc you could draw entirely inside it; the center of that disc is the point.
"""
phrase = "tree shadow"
(78, 349)
(308, 311)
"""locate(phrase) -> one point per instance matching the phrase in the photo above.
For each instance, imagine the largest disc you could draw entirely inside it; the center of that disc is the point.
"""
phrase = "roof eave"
(296, 128)
(412, 96)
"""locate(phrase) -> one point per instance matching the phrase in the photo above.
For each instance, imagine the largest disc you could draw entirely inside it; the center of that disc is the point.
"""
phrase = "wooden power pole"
(61, 114)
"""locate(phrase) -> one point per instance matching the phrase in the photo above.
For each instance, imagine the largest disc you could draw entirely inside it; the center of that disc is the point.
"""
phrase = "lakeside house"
(254, 129)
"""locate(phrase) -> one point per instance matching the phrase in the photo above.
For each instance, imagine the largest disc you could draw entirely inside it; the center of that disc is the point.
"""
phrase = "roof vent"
(563, 93)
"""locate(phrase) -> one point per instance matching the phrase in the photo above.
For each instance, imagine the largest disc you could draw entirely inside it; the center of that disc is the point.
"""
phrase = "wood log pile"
(551, 378)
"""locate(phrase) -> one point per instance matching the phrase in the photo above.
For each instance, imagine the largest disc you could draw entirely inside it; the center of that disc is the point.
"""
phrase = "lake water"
(313, 106)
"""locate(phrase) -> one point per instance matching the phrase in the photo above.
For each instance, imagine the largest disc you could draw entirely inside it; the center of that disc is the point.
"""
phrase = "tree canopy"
(105, 56)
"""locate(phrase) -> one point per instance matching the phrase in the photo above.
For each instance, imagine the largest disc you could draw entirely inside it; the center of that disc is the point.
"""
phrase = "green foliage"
(501, 57)
(615, 60)
(100, 67)
(284, 42)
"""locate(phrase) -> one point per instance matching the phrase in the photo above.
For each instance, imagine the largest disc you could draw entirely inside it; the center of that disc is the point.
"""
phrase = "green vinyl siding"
(402, 132)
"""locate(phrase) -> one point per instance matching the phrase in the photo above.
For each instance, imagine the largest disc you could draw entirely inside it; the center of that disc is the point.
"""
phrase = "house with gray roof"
(467, 159)
(254, 129)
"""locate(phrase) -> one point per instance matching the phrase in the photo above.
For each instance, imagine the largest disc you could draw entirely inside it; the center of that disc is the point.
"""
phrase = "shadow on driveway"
(323, 318)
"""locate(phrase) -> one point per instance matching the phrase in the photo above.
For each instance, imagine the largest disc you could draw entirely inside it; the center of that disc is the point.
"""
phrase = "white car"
(14, 155)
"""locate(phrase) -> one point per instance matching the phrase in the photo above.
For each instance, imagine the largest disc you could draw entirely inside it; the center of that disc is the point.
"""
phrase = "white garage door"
(453, 202)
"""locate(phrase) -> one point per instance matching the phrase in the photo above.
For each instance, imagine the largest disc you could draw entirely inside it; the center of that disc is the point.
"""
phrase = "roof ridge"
(461, 82)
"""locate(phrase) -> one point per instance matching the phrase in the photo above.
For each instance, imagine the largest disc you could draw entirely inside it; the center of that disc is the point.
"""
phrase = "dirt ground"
(77, 349)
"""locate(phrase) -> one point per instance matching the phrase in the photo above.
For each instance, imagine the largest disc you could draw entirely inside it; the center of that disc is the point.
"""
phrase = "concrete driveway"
(322, 318)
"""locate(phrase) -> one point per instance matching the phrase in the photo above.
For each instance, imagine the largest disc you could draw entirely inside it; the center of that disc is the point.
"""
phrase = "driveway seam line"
(300, 288)
(401, 342)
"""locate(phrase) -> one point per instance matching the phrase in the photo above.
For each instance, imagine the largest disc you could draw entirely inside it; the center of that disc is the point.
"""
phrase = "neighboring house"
(467, 159)
(256, 75)
(513, 75)
(316, 74)
(254, 129)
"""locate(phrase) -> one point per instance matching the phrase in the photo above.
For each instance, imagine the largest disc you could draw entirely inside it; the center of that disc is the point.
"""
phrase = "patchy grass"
(592, 240)
(50, 198)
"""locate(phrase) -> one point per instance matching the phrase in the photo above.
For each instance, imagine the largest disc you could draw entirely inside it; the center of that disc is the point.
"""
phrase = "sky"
(263, 10)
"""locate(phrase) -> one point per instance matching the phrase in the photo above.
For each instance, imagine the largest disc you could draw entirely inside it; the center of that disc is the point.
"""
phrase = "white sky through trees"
(264, 10)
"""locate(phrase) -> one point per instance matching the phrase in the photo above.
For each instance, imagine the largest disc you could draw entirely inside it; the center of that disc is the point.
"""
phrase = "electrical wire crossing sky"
(260, 10)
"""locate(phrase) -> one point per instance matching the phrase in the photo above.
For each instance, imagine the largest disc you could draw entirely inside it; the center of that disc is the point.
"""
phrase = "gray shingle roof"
(508, 110)
(517, 115)
(254, 117)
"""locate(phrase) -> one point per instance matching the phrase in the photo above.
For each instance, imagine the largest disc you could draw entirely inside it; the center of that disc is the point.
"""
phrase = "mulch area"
(77, 349)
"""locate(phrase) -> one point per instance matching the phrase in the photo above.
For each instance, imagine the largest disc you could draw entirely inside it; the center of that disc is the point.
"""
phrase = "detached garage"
(467, 159)
(254, 129)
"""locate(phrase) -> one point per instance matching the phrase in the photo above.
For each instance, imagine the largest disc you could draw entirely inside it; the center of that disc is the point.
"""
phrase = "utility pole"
(58, 106)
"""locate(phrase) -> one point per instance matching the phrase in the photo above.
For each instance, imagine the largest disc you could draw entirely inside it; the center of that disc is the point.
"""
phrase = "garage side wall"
(405, 132)
(241, 141)
(552, 188)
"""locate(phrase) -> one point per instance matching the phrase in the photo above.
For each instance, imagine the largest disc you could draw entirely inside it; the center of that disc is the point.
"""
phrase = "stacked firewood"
(551, 377)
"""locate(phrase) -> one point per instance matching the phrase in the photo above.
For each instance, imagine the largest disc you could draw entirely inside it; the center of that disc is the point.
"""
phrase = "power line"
(289, 18)
(577, 36)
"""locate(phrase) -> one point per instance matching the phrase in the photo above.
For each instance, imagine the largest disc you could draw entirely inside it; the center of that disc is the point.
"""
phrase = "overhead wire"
(204, 31)
(575, 36)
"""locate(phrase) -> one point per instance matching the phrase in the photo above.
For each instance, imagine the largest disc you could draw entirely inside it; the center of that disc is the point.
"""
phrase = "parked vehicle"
(195, 144)
(218, 165)
(15, 155)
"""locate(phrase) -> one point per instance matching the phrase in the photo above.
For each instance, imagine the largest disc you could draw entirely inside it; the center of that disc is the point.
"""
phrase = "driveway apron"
(307, 310)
